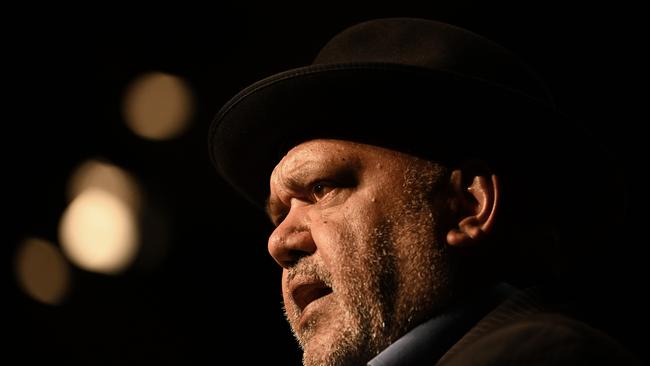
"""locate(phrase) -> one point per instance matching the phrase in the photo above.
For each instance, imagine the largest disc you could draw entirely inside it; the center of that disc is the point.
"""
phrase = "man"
(408, 165)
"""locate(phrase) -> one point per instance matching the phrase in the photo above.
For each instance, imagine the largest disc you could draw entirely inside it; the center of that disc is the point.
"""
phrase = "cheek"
(330, 235)
(332, 232)
(341, 232)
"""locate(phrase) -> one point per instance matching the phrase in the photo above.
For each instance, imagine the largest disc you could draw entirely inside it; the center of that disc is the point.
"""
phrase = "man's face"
(361, 243)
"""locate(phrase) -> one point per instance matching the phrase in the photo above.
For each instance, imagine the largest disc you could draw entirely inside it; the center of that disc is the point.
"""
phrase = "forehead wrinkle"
(299, 162)
(287, 178)
(294, 175)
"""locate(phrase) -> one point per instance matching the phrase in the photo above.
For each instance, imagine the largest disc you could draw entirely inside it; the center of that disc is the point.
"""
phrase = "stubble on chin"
(328, 337)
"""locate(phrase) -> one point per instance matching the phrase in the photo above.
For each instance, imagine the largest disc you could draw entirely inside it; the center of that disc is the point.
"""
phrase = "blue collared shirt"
(428, 342)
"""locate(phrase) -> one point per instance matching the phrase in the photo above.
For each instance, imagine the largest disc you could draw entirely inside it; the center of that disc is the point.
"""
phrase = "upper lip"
(306, 291)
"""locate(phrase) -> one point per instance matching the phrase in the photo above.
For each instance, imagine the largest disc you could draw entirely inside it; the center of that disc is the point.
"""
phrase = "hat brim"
(416, 110)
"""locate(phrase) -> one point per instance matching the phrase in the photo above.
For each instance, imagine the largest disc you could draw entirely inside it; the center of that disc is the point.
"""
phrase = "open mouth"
(305, 293)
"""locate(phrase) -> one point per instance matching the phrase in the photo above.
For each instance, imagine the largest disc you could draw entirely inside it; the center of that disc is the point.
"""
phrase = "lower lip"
(313, 307)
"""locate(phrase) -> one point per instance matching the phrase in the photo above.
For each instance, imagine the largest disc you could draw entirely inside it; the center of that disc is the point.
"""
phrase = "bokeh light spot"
(158, 106)
(42, 272)
(108, 177)
(98, 232)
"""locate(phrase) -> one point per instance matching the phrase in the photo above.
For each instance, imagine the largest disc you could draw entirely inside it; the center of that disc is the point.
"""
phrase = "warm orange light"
(42, 272)
(158, 106)
(108, 177)
(98, 232)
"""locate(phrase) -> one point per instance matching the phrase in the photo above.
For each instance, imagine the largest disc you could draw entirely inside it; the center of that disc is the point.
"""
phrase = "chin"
(332, 355)
(335, 343)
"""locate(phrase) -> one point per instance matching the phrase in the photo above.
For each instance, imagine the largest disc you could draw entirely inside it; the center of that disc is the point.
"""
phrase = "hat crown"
(390, 82)
(433, 45)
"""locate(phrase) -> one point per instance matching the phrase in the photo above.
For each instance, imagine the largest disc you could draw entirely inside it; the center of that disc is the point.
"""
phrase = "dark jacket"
(531, 328)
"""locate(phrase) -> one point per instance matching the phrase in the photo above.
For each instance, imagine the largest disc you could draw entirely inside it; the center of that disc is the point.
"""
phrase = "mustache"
(306, 267)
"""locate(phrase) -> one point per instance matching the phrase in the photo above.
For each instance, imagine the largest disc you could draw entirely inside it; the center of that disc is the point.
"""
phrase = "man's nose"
(291, 240)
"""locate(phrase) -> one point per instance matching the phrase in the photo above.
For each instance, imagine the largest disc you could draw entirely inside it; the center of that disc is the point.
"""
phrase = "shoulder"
(543, 339)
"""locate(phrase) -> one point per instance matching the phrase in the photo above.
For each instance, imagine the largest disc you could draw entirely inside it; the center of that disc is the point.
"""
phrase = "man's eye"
(320, 190)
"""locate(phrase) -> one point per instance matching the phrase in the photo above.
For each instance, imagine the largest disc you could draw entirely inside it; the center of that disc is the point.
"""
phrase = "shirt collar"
(427, 342)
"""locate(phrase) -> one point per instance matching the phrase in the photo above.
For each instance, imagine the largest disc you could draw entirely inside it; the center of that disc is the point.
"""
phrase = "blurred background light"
(98, 232)
(108, 177)
(41, 271)
(158, 106)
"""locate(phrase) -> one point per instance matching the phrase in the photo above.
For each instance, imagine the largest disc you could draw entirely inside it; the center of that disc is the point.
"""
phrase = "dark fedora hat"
(420, 86)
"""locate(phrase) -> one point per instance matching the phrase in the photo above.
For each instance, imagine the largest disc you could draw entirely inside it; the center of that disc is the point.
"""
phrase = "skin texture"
(363, 245)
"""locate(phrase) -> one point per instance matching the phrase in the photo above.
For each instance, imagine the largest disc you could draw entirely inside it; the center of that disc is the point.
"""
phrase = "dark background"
(214, 292)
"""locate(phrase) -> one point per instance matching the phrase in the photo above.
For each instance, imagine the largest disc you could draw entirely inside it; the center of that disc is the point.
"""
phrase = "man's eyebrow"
(296, 175)
(293, 179)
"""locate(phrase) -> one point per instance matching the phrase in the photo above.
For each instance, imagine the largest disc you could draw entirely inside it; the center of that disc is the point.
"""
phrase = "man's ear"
(474, 199)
